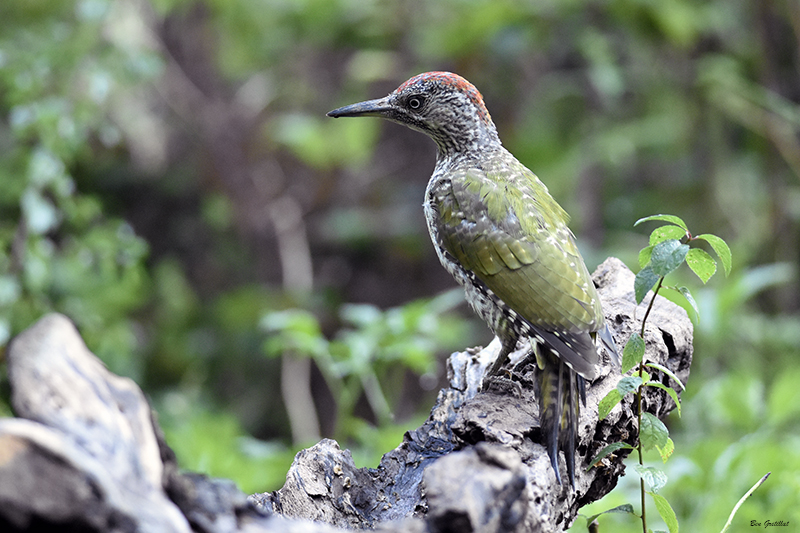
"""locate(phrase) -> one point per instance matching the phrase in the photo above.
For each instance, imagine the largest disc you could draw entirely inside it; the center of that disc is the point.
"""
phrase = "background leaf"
(628, 384)
(687, 295)
(653, 432)
(721, 248)
(667, 256)
(666, 451)
(625, 508)
(608, 450)
(664, 233)
(644, 256)
(654, 477)
(668, 390)
(608, 403)
(666, 512)
(701, 264)
(666, 218)
(644, 281)
(633, 353)
(668, 372)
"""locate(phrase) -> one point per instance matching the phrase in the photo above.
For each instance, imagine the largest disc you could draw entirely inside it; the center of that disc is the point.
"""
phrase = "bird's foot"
(530, 358)
(503, 383)
(488, 380)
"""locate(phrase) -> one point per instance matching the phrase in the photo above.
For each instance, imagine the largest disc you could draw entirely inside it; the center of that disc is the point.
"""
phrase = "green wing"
(501, 224)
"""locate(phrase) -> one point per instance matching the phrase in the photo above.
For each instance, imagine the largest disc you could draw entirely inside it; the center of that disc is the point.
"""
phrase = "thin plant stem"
(650, 306)
(639, 404)
(639, 449)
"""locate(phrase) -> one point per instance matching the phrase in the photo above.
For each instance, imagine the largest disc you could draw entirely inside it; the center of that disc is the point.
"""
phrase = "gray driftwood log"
(85, 453)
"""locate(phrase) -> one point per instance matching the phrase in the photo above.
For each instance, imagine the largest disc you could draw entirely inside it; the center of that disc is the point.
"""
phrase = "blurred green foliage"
(59, 249)
(169, 180)
(372, 346)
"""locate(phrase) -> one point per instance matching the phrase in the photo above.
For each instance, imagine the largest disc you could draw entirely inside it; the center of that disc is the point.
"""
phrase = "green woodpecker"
(501, 235)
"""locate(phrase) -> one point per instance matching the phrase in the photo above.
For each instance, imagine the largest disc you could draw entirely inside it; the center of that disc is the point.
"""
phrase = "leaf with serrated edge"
(665, 510)
(608, 450)
(624, 508)
(689, 298)
(666, 218)
(654, 477)
(701, 264)
(667, 256)
(666, 451)
(662, 233)
(633, 353)
(608, 402)
(628, 384)
(653, 432)
(721, 249)
(668, 372)
(669, 390)
(644, 281)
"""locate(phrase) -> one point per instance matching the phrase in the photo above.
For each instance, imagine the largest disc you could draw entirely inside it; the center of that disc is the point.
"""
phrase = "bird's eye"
(415, 102)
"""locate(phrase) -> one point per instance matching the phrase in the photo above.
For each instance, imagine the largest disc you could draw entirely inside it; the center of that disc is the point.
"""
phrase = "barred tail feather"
(559, 390)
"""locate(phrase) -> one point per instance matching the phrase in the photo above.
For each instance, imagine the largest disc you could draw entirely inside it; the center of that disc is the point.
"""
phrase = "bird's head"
(442, 105)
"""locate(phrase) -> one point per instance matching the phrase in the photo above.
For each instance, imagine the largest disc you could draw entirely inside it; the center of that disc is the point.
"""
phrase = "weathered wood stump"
(85, 453)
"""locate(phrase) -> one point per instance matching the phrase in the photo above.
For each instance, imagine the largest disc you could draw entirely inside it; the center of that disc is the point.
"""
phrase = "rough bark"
(86, 454)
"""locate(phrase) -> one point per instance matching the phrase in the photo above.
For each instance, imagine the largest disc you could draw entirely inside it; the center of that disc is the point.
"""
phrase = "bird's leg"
(509, 343)
(529, 358)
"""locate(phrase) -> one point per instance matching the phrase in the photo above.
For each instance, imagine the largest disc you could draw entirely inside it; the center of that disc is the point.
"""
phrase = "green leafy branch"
(362, 353)
(668, 249)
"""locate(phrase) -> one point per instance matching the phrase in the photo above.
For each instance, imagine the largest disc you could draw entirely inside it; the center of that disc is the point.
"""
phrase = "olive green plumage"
(501, 235)
(499, 222)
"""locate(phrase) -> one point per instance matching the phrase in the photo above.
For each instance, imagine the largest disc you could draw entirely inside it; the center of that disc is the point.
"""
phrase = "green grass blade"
(742, 500)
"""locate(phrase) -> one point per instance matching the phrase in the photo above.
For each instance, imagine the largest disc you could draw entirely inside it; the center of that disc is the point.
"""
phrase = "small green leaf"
(644, 256)
(667, 256)
(665, 510)
(645, 280)
(608, 450)
(654, 477)
(653, 432)
(662, 233)
(669, 390)
(608, 402)
(666, 218)
(633, 353)
(624, 508)
(721, 249)
(701, 264)
(689, 298)
(668, 372)
(666, 450)
(628, 384)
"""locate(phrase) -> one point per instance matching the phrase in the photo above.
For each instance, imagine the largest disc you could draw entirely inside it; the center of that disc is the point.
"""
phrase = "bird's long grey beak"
(370, 108)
